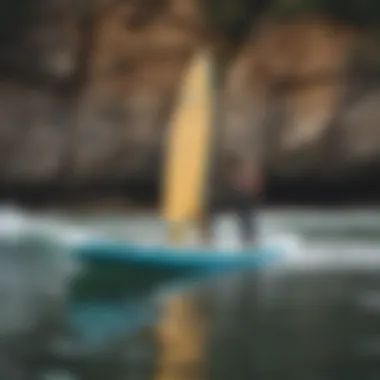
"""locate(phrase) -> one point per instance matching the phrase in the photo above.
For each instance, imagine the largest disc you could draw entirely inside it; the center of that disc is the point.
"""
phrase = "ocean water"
(299, 232)
(359, 227)
(295, 229)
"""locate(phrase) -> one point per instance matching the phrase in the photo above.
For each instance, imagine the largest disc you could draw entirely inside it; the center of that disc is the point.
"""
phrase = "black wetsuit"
(242, 202)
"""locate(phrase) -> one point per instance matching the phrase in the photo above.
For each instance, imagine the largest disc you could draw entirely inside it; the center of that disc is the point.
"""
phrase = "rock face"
(303, 91)
(86, 91)
(93, 104)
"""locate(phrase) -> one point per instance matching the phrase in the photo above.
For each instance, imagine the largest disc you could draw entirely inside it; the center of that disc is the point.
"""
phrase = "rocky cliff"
(86, 91)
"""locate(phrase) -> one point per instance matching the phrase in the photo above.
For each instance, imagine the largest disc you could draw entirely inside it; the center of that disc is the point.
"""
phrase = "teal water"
(335, 230)
(302, 230)
(295, 230)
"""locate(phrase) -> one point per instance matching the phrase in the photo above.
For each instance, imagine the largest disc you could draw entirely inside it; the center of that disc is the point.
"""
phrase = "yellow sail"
(188, 145)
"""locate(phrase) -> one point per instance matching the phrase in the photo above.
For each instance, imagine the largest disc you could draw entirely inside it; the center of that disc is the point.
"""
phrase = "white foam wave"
(16, 223)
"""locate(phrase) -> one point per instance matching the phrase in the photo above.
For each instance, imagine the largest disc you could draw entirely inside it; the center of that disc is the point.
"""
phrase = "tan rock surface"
(86, 94)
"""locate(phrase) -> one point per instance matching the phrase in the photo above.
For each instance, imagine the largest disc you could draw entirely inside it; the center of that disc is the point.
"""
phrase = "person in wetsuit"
(244, 184)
